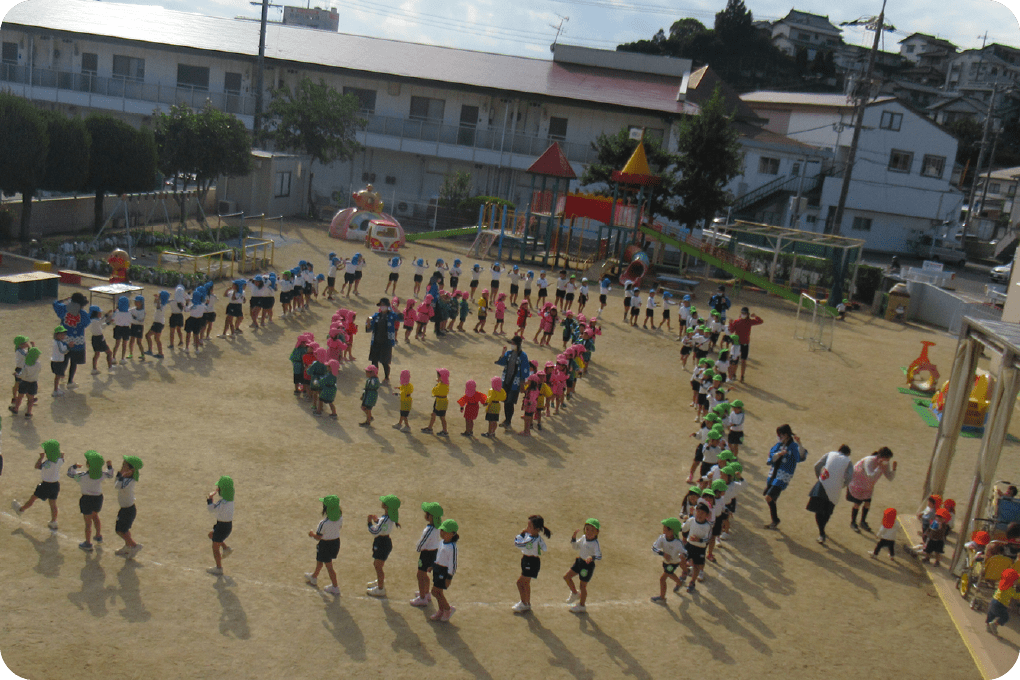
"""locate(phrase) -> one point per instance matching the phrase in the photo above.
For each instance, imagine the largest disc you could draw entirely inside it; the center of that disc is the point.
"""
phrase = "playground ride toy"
(119, 261)
(638, 267)
(1001, 510)
(981, 575)
(367, 223)
(922, 375)
(977, 405)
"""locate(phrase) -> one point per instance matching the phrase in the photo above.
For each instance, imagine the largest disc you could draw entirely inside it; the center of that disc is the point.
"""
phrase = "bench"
(28, 286)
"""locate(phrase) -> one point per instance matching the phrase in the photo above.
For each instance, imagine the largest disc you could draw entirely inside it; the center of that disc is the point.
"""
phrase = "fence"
(256, 254)
(215, 265)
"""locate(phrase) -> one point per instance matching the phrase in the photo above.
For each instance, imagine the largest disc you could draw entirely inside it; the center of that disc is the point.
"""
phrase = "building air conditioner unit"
(226, 207)
(404, 209)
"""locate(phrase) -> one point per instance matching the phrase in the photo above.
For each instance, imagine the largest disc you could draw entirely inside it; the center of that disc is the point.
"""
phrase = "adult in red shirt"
(742, 327)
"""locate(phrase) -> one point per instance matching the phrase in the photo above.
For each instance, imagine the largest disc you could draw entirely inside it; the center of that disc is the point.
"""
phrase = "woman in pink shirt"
(867, 471)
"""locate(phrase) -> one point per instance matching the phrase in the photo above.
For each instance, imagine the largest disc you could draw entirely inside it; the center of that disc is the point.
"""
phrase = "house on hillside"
(812, 32)
(925, 50)
(901, 183)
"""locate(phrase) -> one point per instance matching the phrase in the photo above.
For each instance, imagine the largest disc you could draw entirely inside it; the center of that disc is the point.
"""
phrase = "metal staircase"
(787, 183)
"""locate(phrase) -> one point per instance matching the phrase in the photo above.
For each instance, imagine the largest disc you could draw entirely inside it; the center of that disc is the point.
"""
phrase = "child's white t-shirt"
(159, 314)
(224, 510)
(699, 532)
(59, 350)
(456, 271)
(515, 277)
(650, 303)
(329, 529)
(122, 318)
(671, 551)
(543, 282)
(50, 470)
(475, 274)
(583, 290)
(125, 491)
(350, 267)
(496, 273)
(561, 284)
(95, 328)
(137, 316)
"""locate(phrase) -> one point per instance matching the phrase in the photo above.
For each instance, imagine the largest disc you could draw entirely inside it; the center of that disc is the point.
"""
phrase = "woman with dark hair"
(834, 471)
(867, 471)
(783, 459)
(74, 316)
(742, 326)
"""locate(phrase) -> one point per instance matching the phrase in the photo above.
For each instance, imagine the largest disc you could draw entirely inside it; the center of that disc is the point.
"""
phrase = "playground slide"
(753, 279)
(637, 268)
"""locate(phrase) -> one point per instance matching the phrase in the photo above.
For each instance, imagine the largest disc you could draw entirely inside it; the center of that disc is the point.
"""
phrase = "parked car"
(1001, 273)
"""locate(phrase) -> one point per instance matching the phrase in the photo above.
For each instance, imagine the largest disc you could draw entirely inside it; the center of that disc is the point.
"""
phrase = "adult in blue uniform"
(74, 316)
(516, 370)
(383, 328)
(783, 459)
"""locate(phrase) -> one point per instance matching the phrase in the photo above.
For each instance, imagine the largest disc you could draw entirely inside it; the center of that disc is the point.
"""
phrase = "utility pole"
(977, 168)
(860, 98)
(260, 78)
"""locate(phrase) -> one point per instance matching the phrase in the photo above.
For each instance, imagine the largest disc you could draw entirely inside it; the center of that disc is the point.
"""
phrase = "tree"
(709, 157)
(317, 120)
(735, 24)
(67, 159)
(122, 159)
(200, 146)
(456, 188)
(613, 151)
(968, 137)
(23, 147)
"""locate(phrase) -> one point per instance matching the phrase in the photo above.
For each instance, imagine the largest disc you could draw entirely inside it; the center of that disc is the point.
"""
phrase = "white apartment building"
(901, 184)
(812, 32)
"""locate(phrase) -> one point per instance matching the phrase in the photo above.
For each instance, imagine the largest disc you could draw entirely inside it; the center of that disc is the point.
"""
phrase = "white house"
(901, 183)
(812, 32)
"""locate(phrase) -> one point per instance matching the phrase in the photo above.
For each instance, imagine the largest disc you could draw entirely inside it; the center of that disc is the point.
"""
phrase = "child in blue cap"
(161, 299)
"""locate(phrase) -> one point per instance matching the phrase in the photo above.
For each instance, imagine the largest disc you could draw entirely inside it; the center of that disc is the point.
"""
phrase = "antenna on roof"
(559, 30)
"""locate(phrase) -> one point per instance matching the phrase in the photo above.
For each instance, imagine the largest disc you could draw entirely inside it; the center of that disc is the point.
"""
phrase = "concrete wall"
(940, 308)
(74, 215)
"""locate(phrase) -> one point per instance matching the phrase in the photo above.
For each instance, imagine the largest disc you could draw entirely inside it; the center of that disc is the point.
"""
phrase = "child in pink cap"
(530, 397)
(469, 407)
(496, 396)
(441, 391)
(422, 316)
(327, 387)
(405, 391)
(500, 315)
(409, 318)
(370, 395)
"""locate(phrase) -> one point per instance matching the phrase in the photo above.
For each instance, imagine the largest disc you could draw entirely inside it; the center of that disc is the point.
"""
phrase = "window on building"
(282, 187)
(655, 134)
(994, 188)
(811, 219)
(426, 108)
(365, 97)
(900, 161)
(806, 37)
(910, 49)
(933, 166)
(796, 169)
(558, 129)
(128, 68)
(10, 53)
(1011, 190)
(768, 166)
(193, 77)
(862, 224)
(891, 121)
(89, 63)
(232, 83)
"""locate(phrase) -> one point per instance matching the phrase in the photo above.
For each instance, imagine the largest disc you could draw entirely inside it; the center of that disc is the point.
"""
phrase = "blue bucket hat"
(456, 263)
(123, 304)
(164, 297)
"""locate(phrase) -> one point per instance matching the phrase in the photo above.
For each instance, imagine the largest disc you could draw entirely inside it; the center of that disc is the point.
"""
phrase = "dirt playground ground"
(776, 602)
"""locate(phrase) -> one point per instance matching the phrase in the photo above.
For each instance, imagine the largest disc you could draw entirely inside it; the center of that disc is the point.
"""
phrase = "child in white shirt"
(90, 478)
(48, 465)
(224, 511)
(327, 535)
(532, 545)
(588, 550)
(382, 544)
(444, 569)
(137, 328)
(670, 546)
(58, 359)
(127, 478)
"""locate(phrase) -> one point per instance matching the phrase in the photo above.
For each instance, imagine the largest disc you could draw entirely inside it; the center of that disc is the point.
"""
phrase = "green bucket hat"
(59, 329)
(736, 467)
(392, 504)
(226, 487)
(735, 338)
(694, 489)
(730, 469)
(674, 524)
(136, 464)
(737, 404)
(435, 510)
(715, 433)
(20, 340)
(449, 525)
(594, 522)
(708, 492)
(52, 449)
(726, 454)
(719, 487)
(333, 510)
(32, 356)
(713, 418)
(95, 464)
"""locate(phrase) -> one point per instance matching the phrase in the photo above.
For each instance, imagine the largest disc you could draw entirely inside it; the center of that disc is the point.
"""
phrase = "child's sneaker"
(520, 608)
(658, 599)
(373, 584)
(427, 430)
(438, 616)
(16, 507)
(122, 552)
(578, 609)
(444, 433)
(226, 552)
(573, 597)
(52, 526)
(134, 550)
(376, 591)
(690, 588)
(866, 527)
(87, 547)
(855, 527)
(215, 571)
(311, 579)
(95, 371)
(98, 538)
(449, 613)
(405, 428)
(419, 602)
(332, 590)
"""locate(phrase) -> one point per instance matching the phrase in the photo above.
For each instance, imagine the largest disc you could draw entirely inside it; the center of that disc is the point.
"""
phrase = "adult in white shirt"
(834, 471)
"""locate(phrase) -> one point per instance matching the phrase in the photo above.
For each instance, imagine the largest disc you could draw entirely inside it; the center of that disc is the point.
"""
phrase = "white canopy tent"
(976, 335)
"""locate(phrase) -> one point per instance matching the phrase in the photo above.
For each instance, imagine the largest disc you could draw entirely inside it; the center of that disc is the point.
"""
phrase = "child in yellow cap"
(327, 535)
(588, 550)
(670, 546)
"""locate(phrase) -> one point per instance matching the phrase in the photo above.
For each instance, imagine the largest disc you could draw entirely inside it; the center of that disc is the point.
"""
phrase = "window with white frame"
(933, 166)
(768, 166)
(862, 224)
(193, 77)
(282, 187)
(128, 68)
(891, 121)
(10, 53)
(900, 161)
(428, 109)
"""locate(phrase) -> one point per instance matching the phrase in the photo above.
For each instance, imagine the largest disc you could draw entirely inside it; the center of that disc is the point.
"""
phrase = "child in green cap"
(327, 535)
(49, 463)
(21, 346)
(444, 569)
(427, 547)
(735, 424)
(698, 533)
(125, 485)
(670, 546)
(58, 359)
(382, 544)
(90, 479)
(588, 550)
(224, 511)
(29, 384)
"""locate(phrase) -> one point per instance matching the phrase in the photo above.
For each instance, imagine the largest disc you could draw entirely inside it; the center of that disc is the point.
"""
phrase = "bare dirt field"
(777, 603)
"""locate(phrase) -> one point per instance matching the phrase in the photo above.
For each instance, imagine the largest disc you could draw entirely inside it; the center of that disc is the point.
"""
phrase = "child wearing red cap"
(886, 535)
(998, 606)
(937, 531)
(979, 540)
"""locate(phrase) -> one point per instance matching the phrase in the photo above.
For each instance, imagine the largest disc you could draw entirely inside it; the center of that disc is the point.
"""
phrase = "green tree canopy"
(24, 143)
(122, 160)
(317, 120)
(734, 24)
(67, 160)
(456, 189)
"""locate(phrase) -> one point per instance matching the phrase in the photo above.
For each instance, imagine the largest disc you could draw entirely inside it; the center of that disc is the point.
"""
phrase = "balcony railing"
(125, 88)
(476, 137)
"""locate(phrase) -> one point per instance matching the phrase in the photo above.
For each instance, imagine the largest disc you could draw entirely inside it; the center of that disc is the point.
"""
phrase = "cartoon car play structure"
(366, 222)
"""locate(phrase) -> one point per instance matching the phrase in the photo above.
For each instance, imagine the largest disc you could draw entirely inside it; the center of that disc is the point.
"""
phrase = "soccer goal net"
(814, 323)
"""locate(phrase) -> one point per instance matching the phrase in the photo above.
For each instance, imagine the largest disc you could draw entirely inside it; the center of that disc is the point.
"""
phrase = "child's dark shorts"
(125, 518)
(699, 453)
(669, 568)
(382, 546)
(856, 500)
(602, 299)
(514, 288)
(99, 344)
(441, 577)
(136, 330)
(221, 530)
(331, 281)
(394, 276)
(193, 324)
(326, 551)
(735, 437)
(29, 387)
(156, 328)
(122, 332)
(696, 554)
(440, 413)
(426, 558)
(665, 314)
(404, 414)
(542, 293)
(176, 321)
(349, 277)
(933, 546)
(583, 570)
(47, 491)
(209, 317)
(418, 278)
(649, 312)
(634, 311)
(491, 417)
(530, 565)
(570, 297)
(685, 351)
(89, 504)
(703, 400)
(58, 367)
(234, 309)
(626, 302)
(560, 294)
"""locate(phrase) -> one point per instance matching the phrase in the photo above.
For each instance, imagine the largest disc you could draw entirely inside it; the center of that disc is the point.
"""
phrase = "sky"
(528, 27)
